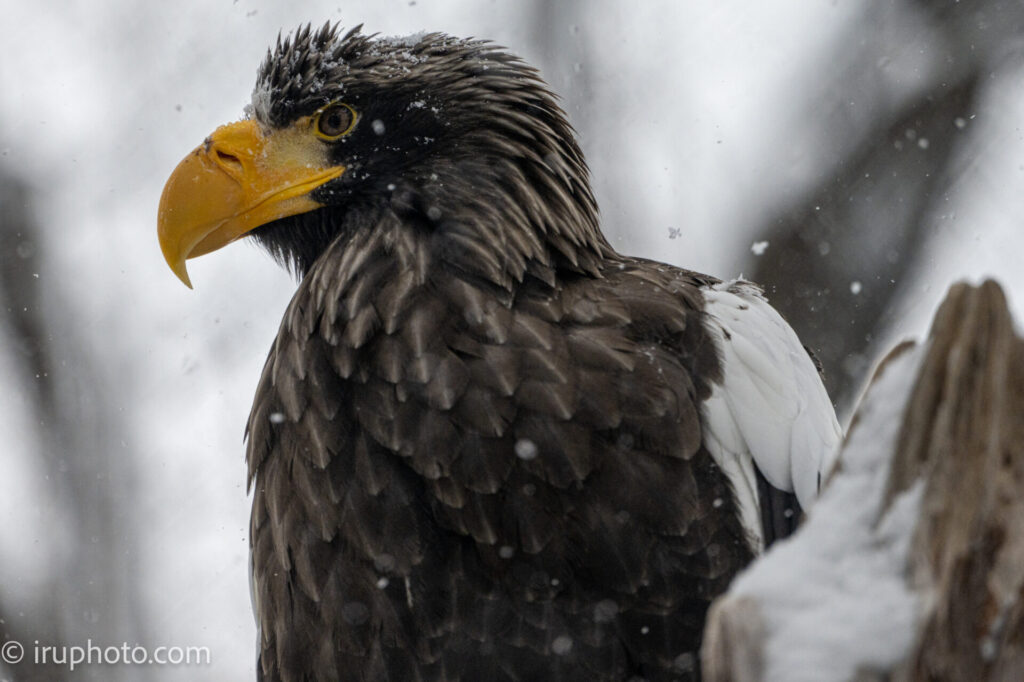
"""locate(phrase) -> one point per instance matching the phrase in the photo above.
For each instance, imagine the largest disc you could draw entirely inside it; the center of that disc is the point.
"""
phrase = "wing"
(770, 415)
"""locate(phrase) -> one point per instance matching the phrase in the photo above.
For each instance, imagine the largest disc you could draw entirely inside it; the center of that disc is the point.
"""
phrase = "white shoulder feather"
(771, 409)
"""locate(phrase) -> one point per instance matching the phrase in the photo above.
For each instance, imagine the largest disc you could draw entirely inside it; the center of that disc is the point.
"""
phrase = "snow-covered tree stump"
(911, 564)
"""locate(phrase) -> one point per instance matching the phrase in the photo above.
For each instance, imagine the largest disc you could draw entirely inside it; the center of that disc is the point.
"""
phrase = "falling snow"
(562, 645)
(605, 611)
(526, 449)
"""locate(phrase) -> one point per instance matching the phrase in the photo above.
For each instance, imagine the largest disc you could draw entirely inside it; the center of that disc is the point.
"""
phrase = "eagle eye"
(334, 121)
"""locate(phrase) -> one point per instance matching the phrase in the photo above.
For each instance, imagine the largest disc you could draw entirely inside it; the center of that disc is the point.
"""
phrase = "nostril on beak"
(229, 162)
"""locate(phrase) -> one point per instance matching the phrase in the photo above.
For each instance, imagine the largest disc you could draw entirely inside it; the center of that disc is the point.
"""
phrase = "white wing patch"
(771, 409)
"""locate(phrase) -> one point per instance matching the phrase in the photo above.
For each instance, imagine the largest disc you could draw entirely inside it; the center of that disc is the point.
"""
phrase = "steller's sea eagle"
(485, 446)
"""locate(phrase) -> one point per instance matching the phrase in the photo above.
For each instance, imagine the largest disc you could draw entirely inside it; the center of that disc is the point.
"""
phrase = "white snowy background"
(696, 117)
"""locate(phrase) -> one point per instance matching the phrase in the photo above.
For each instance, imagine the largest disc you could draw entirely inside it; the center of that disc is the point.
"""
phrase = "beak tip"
(182, 273)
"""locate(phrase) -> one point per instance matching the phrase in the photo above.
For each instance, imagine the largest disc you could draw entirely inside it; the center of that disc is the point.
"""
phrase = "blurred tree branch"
(842, 251)
(94, 595)
(19, 296)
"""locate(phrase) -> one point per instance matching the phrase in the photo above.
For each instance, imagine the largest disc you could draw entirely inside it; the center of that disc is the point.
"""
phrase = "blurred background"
(855, 158)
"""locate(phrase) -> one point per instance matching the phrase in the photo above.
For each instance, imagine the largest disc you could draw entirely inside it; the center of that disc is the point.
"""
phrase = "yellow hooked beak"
(238, 179)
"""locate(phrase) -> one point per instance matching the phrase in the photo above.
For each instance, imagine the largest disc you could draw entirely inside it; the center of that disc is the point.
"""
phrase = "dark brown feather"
(489, 556)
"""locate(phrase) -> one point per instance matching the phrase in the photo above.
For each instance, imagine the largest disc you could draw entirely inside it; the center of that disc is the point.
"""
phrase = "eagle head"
(456, 137)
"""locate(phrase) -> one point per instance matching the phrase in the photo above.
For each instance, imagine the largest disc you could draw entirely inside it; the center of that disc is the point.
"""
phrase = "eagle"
(485, 445)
